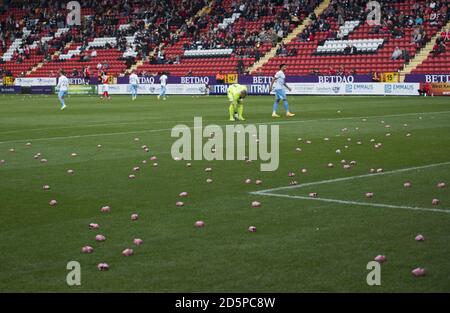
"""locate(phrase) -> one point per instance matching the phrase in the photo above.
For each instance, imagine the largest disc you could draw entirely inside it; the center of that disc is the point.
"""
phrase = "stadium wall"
(379, 89)
(257, 85)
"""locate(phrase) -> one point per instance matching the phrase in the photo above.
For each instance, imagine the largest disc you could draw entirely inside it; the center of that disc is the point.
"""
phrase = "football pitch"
(301, 243)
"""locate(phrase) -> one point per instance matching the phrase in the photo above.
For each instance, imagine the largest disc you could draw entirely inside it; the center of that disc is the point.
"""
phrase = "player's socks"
(63, 103)
(286, 105)
(275, 106)
(240, 112)
(231, 110)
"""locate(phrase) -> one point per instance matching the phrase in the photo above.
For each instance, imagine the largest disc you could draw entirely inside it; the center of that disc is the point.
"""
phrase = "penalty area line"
(320, 182)
(270, 192)
(380, 205)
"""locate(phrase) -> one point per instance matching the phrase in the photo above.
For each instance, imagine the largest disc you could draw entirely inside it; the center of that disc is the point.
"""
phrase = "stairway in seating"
(55, 54)
(422, 55)
(292, 35)
(205, 10)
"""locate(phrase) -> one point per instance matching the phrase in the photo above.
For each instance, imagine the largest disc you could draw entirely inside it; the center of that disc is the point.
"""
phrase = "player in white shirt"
(62, 88)
(134, 82)
(279, 80)
(163, 80)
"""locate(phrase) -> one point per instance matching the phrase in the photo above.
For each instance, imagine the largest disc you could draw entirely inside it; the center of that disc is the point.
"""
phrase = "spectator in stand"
(438, 48)
(419, 20)
(405, 55)
(93, 53)
(75, 72)
(397, 33)
(340, 71)
(220, 77)
(396, 54)
(257, 54)
(424, 89)
(434, 19)
(282, 51)
(87, 75)
(26, 51)
(376, 77)
(293, 52)
(161, 58)
(418, 37)
(350, 49)
(240, 66)
(347, 49)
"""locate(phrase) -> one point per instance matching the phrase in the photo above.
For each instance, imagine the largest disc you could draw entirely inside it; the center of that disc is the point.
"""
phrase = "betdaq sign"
(252, 80)
(336, 79)
(188, 80)
(78, 81)
(427, 78)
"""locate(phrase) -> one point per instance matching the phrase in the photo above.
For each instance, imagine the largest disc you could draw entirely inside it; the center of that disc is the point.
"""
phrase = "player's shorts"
(134, 87)
(280, 94)
(105, 88)
(62, 93)
(230, 95)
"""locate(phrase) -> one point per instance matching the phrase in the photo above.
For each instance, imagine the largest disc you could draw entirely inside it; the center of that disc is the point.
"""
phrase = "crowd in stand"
(341, 70)
(440, 45)
(393, 22)
(155, 24)
(151, 22)
(206, 33)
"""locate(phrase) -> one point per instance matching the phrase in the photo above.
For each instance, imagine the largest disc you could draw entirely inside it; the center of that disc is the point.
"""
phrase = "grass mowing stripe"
(262, 123)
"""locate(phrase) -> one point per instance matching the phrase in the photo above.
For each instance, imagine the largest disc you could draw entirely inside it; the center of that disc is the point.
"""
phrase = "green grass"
(300, 245)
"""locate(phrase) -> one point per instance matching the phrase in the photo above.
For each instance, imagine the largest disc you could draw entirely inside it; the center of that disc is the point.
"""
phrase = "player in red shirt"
(105, 81)
(425, 89)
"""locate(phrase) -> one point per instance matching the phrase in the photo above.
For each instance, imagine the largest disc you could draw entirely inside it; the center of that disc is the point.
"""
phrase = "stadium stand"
(340, 41)
(200, 37)
(438, 61)
(247, 29)
(113, 33)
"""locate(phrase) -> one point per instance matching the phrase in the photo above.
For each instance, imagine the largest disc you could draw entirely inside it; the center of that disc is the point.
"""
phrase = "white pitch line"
(93, 125)
(88, 135)
(269, 192)
(381, 205)
(351, 178)
(262, 123)
(357, 117)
